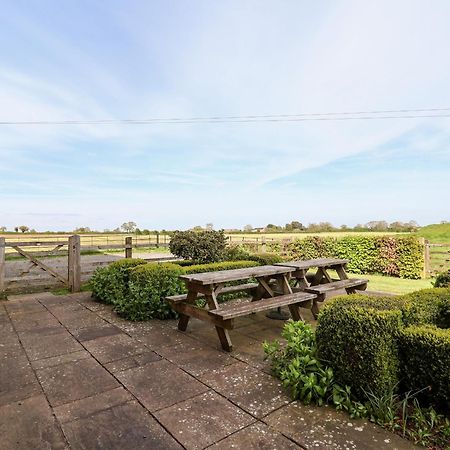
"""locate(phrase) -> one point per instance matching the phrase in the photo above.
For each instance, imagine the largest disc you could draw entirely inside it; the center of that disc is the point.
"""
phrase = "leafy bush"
(390, 255)
(266, 258)
(200, 246)
(111, 282)
(425, 356)
(149, 284)
(442, 280)
(235, 252)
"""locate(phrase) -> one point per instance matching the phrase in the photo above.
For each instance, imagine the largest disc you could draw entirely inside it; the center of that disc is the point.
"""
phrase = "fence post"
(426, 265)
(74, 265)
(157, 239)
(128, 247)
(2, 267)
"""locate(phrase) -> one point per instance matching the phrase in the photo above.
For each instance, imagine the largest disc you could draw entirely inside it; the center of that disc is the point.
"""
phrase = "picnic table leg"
(184, 319)
(278, 313)
(225, 339)
(223, 334)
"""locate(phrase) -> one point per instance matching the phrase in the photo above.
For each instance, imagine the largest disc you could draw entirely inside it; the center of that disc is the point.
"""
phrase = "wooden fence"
(48, 264)
(437, 258)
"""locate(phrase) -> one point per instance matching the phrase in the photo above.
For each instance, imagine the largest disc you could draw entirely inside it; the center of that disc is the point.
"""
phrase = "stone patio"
(74, 375)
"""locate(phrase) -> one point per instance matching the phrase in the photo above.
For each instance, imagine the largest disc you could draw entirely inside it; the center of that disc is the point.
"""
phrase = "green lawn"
(394, 285)
(436, 233)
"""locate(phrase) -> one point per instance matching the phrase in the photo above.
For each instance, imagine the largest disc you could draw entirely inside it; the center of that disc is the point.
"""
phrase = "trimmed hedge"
(149, 284)
(370, 341)
(427, 307)
(400, 256)
(111, 282)
(357, 338)
(425, 358)
(224, 265)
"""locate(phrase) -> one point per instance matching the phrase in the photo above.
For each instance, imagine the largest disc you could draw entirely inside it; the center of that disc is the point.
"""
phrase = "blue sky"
(92, 60)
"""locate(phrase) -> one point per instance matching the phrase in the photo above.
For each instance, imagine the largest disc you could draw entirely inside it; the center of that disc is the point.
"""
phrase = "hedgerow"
(400, 256)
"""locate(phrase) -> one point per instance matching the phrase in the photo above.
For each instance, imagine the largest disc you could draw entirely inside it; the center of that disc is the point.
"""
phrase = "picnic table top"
(319, 262)
(223, 276)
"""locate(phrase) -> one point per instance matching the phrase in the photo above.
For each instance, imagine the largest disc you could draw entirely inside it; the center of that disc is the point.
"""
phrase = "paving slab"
(132, 362)
(195, 357)
(121, 427)
(17, 380)
(76, 317)
(33, 321)
(114, 347)
(74, 380)
(94, 332)
(325, 428)
(61, 359)
(160, 384)
(24, 307)
(39, 347)
(254, 391)
(30, 424)
(256, 437)
(203, 420)
(161, 335)
(85, 407)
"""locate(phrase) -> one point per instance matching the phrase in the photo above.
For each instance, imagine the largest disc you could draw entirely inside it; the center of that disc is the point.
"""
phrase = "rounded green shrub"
(148, 286)
(111, 282)
(442, 280)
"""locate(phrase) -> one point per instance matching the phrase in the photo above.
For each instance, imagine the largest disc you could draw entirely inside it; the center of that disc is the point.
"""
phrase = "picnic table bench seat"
(320, 290)
(233, 311)
(336, 285)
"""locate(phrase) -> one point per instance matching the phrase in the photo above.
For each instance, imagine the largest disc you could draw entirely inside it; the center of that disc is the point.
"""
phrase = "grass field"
(394, 285)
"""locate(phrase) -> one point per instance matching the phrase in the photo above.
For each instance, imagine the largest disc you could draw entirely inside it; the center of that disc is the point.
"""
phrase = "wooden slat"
(189, 310)
(245, 309)
(34, 243)
(335, 285)
(223, 276)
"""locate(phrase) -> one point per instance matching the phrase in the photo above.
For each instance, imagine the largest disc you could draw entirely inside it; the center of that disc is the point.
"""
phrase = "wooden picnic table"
(271, 290)
(321, 282)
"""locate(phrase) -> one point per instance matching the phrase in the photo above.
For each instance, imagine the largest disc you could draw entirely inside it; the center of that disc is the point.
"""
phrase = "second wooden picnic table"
(271, 290)
(321, 282)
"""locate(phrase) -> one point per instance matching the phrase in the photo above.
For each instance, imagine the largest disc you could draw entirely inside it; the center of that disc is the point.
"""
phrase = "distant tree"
(197, 228)
(377, 225)
(288, 227)
(209, 227)
(296, 225)
(138, 231)
(344, 227)
(82, 230)
(128, 227)
(33, 231)
(16, 229)
(23, 228)
(3, 229)
(248, 228)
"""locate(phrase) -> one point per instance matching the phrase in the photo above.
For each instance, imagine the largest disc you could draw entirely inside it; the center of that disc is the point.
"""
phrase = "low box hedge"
(425, 361)
(356, 336)
(111, 282)
(373, 343)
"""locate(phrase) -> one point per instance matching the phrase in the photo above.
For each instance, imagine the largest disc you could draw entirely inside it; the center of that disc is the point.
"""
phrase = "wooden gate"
(72, 279)
(437, 258)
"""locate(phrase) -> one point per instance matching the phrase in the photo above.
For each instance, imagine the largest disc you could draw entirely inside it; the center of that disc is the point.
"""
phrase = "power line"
(326, 116)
